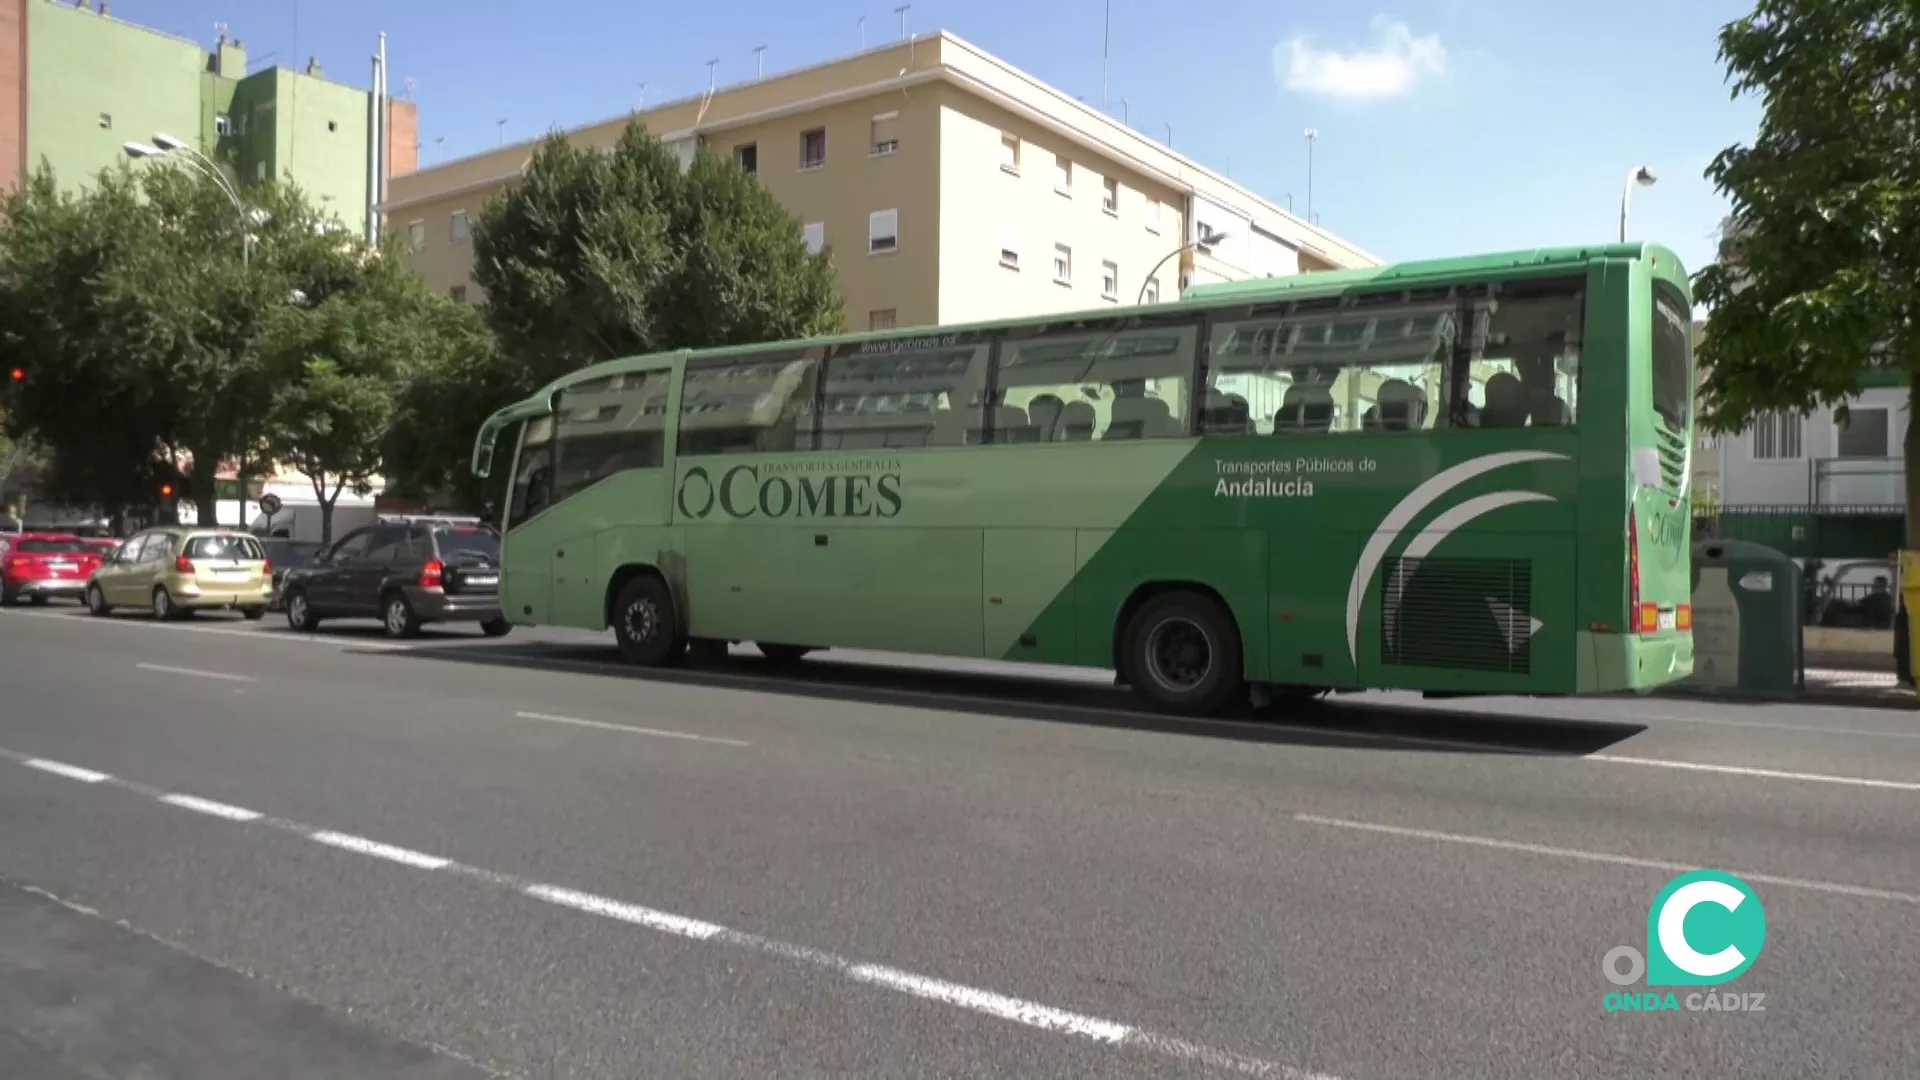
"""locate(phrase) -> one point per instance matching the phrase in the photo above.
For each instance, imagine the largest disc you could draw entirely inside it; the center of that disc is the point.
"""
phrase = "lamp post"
(1205, 241)
(166, 146)
(1640, 177)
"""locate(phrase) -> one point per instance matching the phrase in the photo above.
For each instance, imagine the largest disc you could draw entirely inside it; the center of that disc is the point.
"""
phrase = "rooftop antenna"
(1126, 113)
(902, 12)
(862, 21)
(503, 130)
(1169, 136)
(640, 105)
(1311, 136)
(711, 64)
(759, 61)
(439, 148)
(406, 87)
(1106, 34)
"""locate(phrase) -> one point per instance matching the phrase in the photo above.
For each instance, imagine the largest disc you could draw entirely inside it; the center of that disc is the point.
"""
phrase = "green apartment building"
(77, 85)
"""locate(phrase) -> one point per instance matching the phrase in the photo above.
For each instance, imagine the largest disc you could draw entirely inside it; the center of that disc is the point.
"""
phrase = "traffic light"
(166, 491)
(19, 375)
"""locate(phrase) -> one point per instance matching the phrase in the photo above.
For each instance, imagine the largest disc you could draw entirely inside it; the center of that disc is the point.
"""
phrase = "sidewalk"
(1839, 686)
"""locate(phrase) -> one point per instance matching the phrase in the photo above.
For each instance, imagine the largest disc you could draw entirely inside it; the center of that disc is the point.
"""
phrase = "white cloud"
(1387, 68)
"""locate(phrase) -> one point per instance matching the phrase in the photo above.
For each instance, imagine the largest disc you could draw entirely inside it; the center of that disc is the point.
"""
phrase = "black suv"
(406, 573)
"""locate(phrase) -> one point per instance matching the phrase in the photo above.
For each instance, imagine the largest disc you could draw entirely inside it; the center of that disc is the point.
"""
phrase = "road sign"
(269, 504)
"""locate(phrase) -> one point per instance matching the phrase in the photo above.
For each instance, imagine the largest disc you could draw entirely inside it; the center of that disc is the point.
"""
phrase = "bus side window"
(750, 403)
(1100, 379)
(1527, 374)
(605, 427)
(905, 392)
(533, 476)
(1313, 369)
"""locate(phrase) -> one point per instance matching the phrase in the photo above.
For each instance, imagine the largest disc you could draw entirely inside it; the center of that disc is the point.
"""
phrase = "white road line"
(196, 673)
(664, 921)
(1765, 774)
(71, 772)
(604, 726)
(208, 806)
(982, 1001)
(1836, 888)
(404, 856)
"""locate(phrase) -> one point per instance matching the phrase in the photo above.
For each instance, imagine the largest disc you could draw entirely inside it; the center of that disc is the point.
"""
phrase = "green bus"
(1459, 476)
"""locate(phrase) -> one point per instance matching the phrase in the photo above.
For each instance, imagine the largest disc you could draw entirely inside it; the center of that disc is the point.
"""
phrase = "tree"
(440, 411)
(596, 255)
(140, 304)
(1818, 283)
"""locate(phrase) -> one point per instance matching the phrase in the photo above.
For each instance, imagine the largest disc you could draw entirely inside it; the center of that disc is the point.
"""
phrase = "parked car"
(287, 555)
(39, 566)
(406, 572)
(177, 570)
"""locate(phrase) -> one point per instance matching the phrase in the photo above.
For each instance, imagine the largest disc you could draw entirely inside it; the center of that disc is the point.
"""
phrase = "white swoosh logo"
(1410, 507)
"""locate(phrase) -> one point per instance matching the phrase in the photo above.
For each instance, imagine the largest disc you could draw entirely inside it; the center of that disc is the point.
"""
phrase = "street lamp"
(1641, 177)
(1208, 240)
(166, 146)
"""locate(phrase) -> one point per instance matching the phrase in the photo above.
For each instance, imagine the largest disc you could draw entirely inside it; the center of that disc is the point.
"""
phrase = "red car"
(41, 566)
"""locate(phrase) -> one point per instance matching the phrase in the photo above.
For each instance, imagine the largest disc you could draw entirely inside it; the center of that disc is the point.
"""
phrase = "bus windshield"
(1672, 359)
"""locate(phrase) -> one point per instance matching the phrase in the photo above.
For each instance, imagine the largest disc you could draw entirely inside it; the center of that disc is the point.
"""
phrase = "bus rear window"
(1672, 358)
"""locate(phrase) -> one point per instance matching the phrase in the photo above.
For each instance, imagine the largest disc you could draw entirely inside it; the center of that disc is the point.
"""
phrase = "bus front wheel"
(644, 622)
(1182, 653)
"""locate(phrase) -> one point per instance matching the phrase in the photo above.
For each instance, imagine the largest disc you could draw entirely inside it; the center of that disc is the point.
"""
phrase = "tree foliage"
(1819, 277)
(594, 255)
(141, 307)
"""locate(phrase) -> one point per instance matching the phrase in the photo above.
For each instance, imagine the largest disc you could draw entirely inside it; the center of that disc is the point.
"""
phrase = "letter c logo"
(703, 494)
(1673, 928)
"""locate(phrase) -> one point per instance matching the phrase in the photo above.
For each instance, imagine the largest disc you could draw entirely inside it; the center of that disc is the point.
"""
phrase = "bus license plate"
(1669, 620)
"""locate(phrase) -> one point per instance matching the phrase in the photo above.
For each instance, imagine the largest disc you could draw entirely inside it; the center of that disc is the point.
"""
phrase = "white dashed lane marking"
(603, 725)
(975, 1000)
(195, 673)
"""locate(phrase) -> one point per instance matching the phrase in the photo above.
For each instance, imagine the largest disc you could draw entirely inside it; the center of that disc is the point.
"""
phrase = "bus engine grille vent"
(1673, 457)
(1464, 614)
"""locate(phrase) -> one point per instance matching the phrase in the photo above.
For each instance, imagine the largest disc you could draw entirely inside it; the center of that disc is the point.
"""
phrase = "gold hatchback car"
(177, 570)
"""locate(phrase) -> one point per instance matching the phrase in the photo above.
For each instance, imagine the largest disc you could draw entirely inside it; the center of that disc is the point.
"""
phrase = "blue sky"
(1444, 126)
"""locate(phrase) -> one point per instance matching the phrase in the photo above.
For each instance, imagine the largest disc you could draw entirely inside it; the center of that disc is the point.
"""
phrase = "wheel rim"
(396, 616)
(297, 610)
(94, 603)
(641, 621)
(160, 604)
(1179, 654)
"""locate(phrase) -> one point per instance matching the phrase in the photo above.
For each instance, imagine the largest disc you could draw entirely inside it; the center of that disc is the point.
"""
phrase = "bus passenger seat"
(1045, 412)
(1140, 418)
(1225, 414)
(1306, 410)
(1549, 409)
(1401, 406)
(1077, 420)
(1010, 425)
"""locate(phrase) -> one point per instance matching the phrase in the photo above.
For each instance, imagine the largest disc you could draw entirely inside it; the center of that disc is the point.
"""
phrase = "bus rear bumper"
(1610, 663)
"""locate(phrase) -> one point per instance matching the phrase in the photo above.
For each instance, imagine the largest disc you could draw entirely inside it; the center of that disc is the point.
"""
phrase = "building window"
(106, 120)
(1062, 175)
(222, 125)
(1109, 280)
(813, 148)
(1010, 247)
(333, 125)
(458, 294)
(1863, 434)
(457, 229)
(1010, 153)
(885, 137)
(747, 156)
(1153, 215)
(1152, 291)
(1110, 196)
(882, 319)
(883, 231)
(815, 234)
(1776, 437)
(1063, 264)
(417, 236)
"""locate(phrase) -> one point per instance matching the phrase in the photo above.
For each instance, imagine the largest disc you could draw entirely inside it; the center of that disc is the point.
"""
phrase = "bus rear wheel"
(1182, 653)
(644, 622)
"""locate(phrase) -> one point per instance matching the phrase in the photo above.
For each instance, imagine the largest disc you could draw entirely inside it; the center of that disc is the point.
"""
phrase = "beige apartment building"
(949, 186)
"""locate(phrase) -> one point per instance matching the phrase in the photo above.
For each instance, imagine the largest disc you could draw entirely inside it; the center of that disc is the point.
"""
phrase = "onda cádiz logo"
(1442, 526)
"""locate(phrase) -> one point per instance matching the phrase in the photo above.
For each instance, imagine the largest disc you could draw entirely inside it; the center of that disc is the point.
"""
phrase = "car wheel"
(163, 606)
(1182, 653)
(645, 622)
(496, 627)
(97, 601)
(300, 614)
(398, 617)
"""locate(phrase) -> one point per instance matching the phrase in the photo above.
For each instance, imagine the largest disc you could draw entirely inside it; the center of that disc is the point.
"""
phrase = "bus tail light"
(1683, 617)
(430, 575)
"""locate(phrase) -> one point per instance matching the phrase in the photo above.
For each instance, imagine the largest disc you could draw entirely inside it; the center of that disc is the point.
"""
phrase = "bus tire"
(1182, 653)
(644, 622)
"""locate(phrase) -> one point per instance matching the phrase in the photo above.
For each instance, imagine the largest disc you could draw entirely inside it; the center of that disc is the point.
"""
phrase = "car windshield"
(224, 547)
(48, 547)
(467, 542)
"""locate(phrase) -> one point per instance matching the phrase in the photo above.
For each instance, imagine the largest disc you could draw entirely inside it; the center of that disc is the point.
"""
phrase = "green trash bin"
(1746, 620)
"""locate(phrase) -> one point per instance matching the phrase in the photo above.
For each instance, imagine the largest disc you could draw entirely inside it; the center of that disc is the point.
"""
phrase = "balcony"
(1859, 485)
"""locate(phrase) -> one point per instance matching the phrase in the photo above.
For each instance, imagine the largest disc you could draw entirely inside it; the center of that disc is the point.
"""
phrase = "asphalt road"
(229, 850)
